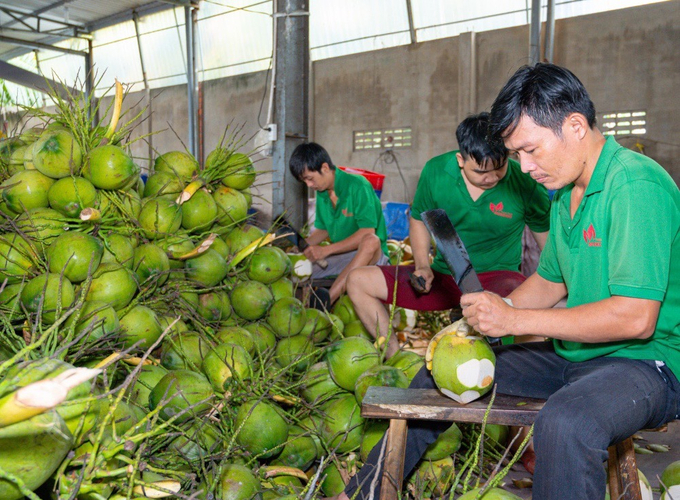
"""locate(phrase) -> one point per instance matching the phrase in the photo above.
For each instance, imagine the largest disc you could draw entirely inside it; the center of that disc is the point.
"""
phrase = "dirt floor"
(651, 465)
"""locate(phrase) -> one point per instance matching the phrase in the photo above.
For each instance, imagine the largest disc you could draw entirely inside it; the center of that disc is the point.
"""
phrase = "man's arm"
(420, 247)
(541, 238)
(315, 252)
(608, 320)
(317, 237)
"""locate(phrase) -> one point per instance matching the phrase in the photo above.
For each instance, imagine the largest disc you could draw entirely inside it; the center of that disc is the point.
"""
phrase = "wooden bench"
(401, 405)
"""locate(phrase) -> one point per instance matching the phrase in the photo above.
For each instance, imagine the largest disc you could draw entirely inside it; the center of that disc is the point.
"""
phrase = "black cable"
(264, 94)
(388, 157)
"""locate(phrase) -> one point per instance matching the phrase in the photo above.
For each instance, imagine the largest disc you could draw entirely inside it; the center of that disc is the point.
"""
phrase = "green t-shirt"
(491, 227)
(624, 240)
(358, 207)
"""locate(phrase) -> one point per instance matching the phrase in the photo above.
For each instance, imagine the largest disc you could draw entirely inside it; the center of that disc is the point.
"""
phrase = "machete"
(301, 242)
(452, 250)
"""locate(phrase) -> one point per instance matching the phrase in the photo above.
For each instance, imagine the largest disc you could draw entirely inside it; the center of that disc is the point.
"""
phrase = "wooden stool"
(401, 405)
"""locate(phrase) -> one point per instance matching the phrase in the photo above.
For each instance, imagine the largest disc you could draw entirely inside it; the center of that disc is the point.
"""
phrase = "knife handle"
(322, 263)
(417, 282)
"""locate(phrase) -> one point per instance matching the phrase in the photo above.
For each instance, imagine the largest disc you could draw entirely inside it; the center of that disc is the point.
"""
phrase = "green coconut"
(294, 352)
(118, 249)
(26, 190)
(140, 326)
(357, 329)
(199, 212)
(491, 494)
(185, 350)
(251, 300)
(182, 390)
(268, 264)
(242, 236)
(349, 358)
(75, 254)
(344, 309)
(110, 167)
(318, 325)
(236, 335)
(342, 424)
(287, 317)
(50, 291)
(208, 269)
(32, 450)
(113, 284)
(70, 195)
(57, 154)
(263, 336)
(446, 444)
(163, 183)
(16, 258)
(148, 377)
(299, 452)
(263, 430)
(41, 225)
(374, 430)
(237, 482)
(317, 383)
(180, 163)
(150, 262)
(160, 217)
(281, 288)
(379, 376)
(224, 363)
(214, 306)
(240, 171)
(232, 206)
(407, 361)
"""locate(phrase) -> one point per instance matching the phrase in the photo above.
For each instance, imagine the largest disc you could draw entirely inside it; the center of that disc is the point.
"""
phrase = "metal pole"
(147, 90)
(89, 84)
(549, 43)
(291, 106)
(190, 21)
(411, 26)
(535, 33)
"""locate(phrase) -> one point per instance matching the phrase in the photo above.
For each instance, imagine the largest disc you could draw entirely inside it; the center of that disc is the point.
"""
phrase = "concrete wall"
(628, 59)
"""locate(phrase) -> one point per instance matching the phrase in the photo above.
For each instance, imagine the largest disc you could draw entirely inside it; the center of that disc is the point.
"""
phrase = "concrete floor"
(651, 465)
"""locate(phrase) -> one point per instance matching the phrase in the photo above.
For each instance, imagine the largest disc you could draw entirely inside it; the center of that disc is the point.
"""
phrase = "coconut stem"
(118, 104)
(189, 191)
(205, 244)
(41, 396)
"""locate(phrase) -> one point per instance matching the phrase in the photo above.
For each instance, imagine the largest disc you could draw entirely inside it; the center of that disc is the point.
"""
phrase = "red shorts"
(444, 293)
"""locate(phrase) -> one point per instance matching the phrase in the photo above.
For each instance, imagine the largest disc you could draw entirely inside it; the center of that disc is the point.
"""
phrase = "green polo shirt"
(624, 240)
(491, 227)
(358, 207)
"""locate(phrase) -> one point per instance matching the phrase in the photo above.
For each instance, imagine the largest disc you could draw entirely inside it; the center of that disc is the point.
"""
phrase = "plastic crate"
(396, 219)
(376, 179)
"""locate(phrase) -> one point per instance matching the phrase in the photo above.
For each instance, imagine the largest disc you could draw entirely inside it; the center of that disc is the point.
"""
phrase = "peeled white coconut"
(670, 479)
(462, 364)
(404, 319)
(302, 267)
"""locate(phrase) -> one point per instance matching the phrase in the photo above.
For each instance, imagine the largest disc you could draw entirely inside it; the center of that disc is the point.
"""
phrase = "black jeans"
(590, 405)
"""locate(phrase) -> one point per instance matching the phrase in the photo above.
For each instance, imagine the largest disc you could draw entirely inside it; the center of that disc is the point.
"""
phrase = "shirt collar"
(340, 182)
(610, 148)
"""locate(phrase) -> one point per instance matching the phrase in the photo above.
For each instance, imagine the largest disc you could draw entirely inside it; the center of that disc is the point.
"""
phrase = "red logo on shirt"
(590, 238)
(497, 209)
(346, 213)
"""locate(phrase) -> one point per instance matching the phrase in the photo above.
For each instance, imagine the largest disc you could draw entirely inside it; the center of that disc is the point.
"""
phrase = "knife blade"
(301, 242)
(452, 249)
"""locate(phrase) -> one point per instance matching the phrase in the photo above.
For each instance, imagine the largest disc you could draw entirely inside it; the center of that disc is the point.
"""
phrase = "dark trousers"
(590, 405)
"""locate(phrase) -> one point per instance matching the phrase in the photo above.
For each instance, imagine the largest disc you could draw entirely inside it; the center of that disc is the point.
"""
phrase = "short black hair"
(310, 156)
(472, 136)
(546, 93)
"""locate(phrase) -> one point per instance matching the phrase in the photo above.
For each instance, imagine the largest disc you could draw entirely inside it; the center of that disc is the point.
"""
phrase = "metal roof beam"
(126, 15)
(38, 45)
(26, 78)
(21, 17)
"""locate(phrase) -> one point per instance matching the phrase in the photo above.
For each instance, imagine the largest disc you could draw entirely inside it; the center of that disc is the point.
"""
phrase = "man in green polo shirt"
(612, 367)
(489, 200)
(348, 212)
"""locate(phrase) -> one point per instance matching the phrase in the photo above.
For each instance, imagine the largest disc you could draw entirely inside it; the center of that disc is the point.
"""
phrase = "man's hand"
(315, 252)
(488, 313)
(427, 274)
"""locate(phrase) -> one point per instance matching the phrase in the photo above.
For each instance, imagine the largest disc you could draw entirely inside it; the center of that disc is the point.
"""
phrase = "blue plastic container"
(396, 219)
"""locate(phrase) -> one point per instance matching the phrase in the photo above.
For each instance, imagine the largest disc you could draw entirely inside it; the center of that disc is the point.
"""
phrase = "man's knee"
(370, 243)
(357, 280)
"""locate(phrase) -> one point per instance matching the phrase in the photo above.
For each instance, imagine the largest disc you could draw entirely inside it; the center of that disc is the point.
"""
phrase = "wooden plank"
(395, 450)
(627, 471)
(430, 404)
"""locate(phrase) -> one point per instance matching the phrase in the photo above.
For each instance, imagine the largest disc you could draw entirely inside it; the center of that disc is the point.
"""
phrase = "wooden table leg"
(624, 483)
(395, 449)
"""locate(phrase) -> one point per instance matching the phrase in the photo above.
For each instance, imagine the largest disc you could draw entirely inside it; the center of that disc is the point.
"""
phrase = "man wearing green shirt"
(613, 364)
(489, 200)
(348, 212)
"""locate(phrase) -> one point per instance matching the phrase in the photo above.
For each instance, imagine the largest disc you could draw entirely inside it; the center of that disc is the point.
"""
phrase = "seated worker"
(489, 201)
(347, 211)
(613, 364)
